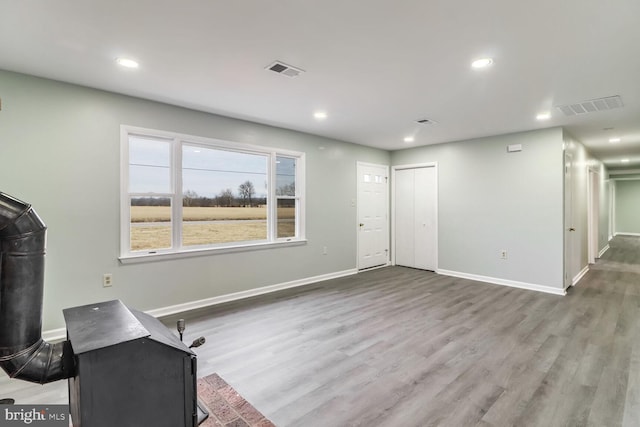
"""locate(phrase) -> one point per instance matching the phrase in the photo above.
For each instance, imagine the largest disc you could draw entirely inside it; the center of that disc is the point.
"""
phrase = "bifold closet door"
(404, 216)
(425, 218)
(415, 217)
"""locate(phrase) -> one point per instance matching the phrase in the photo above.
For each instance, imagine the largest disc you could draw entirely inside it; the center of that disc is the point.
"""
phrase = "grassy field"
(163, 213)
(158, 236)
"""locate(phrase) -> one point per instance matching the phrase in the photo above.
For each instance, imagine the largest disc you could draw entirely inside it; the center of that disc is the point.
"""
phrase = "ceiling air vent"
(591, 106)
(426, 122)
(284, 69)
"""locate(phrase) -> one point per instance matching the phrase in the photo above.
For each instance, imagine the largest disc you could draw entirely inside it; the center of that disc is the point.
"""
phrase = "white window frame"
(177, 251)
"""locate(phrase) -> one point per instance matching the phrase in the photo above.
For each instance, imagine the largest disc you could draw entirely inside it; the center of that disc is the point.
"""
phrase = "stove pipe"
(23, 353)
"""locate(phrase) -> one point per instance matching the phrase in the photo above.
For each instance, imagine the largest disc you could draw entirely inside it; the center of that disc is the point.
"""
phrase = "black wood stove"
(125, 368)
(130, 370)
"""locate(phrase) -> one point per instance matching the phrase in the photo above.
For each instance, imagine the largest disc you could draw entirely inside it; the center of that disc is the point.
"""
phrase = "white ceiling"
(374, 66)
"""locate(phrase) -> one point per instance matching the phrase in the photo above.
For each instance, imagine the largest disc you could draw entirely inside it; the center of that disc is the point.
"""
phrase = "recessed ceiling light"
(125, 62)
(482, 63)
(625, 160)
(320, 115)
(543, 116)
(614, 140)
(408, 139)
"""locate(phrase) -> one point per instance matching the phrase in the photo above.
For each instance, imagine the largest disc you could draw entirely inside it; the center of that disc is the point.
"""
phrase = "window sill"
(190, 253)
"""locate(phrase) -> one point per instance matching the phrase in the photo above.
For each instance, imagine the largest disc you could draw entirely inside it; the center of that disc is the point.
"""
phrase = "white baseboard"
(53, 335)
(605, 249)
(193, 305)
(580, 275)
(504, 282)
(622, 233)
(61, 333)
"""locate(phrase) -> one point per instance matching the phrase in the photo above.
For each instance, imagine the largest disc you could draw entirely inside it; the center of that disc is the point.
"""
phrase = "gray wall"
(627, 206)
(60, 151)
(491, 200)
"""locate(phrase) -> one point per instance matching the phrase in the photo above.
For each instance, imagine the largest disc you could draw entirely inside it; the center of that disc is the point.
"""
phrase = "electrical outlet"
(324, 250)
(107, 280)
(503, 254)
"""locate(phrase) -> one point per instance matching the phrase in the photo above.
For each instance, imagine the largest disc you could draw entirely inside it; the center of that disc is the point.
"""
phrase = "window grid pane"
(224, 196)
(149, 165)
(287, 218)
(150, 227)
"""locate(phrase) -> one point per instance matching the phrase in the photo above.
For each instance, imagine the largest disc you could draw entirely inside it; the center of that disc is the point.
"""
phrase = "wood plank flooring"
(404, 347)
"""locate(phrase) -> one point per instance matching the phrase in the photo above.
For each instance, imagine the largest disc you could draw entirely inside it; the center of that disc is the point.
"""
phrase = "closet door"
(404, 216)
(425, 218)
(416, 217)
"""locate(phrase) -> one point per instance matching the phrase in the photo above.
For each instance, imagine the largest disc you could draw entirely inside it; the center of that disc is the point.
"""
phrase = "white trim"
(612, 211)
(622, 233)
(580, 276)
(504, 282)
(190, 253)
(207, 302)
(605, 249)
(613, 197)
(624, 172)
(125, 210)
(393, 206)
(61, 333)
(592, 213)
(54, 335)
(416, 166)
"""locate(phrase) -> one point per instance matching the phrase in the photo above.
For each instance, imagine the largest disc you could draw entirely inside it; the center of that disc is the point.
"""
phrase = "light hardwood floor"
(404, 347)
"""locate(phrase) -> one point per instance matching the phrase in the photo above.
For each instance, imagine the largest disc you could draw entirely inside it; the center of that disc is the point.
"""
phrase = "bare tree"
(225, 198)
(189, 197)
(246, 190)
(286, 190)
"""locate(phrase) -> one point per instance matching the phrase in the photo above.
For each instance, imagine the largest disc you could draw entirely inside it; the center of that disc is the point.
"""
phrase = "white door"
(404, 217)
(593, 215)
(415, 217)
(568, 220)
(373, 218)
(425, 220)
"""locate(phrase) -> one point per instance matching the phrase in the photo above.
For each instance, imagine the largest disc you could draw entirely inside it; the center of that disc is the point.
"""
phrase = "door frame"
(568, 219)
(593, 214)
(393, 206)
(612, 208)
(356, 202)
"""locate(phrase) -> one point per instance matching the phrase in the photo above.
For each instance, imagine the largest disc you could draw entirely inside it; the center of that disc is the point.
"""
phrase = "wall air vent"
(426, 122)
(284, 69)
(591, 106)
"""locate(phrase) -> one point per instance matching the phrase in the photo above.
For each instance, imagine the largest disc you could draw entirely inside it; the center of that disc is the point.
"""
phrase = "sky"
(207, 171)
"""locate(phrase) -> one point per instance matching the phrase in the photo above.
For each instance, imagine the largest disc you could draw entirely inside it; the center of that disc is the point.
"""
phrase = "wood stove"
(125, 368)
(130, 369)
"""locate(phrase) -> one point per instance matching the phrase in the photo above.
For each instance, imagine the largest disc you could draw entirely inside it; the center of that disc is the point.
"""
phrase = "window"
(184, 194)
